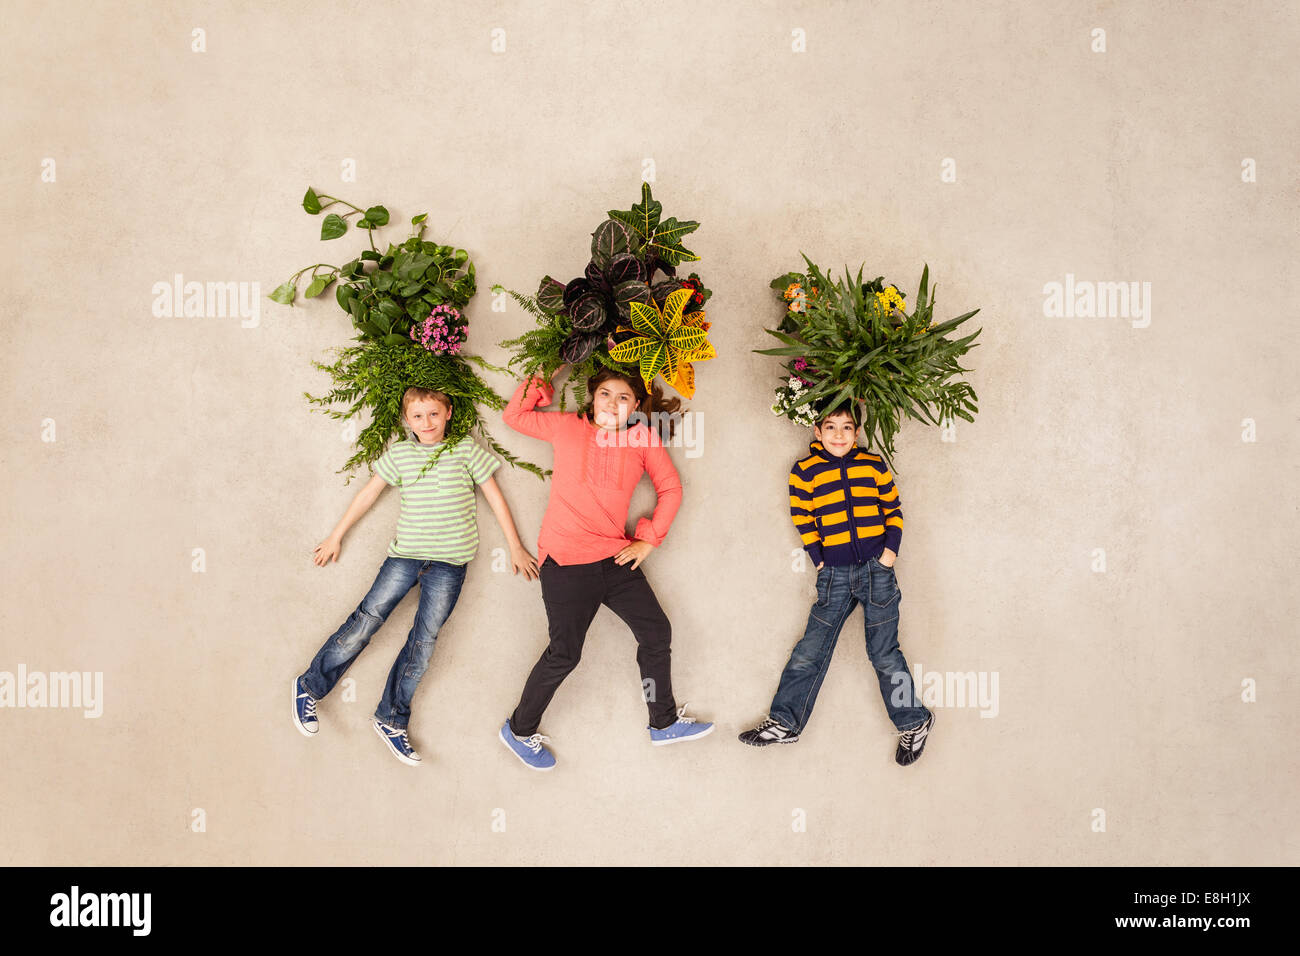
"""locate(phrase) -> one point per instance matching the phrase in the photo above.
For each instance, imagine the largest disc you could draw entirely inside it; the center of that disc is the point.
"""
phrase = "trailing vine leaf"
(333, 226)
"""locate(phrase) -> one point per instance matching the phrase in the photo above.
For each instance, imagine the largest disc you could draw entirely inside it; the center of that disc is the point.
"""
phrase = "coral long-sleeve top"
(592, 480)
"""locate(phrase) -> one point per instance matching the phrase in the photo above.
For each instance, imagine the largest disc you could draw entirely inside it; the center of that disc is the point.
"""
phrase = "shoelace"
(534, 743)
(767, 724)
(309, 709)
(400, 736)
(906, 737)
(681, 715)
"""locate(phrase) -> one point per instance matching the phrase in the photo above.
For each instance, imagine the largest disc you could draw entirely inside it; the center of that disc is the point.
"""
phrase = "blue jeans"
(440, 585)
(839, 590)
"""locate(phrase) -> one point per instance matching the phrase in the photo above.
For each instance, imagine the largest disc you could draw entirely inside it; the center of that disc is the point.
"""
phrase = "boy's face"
(837, 434)
(612, 403)
(428, 418)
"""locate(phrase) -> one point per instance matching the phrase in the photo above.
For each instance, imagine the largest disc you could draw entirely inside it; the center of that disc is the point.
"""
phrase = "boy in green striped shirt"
(437, 537)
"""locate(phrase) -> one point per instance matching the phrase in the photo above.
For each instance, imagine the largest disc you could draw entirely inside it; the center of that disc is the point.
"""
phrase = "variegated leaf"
(646, 319)
(632, 350)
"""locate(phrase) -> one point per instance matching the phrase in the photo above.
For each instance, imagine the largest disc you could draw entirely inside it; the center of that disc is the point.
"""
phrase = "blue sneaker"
(684, 728)
(528, 749)
(398, 745)
(304, 709)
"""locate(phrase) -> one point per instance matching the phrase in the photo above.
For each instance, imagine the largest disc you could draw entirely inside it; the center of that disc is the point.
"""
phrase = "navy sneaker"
(398, 745)
(769, 731)
(304, 709)
(684, 728)
(528, 749)
(912, 741)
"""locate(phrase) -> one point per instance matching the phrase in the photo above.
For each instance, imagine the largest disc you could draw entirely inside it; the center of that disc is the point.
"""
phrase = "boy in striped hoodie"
(847, 512)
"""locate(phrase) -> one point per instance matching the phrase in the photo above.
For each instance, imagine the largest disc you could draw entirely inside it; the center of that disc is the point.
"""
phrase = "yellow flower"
(891, 299)
(794, 294)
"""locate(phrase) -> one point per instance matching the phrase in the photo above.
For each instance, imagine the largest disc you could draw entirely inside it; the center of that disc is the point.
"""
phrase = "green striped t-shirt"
(439, 519)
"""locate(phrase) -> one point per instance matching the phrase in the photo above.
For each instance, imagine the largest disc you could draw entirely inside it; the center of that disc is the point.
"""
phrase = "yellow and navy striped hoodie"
(846, 509)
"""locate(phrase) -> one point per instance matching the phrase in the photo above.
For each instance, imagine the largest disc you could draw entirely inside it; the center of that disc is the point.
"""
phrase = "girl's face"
(837, 434)
(428, 418)
(612, 403)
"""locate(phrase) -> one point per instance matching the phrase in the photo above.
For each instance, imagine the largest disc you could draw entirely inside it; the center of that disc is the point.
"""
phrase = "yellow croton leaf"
(665, 342)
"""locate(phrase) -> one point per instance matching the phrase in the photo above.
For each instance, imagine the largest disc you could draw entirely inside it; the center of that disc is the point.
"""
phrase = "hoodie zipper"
(848, 509)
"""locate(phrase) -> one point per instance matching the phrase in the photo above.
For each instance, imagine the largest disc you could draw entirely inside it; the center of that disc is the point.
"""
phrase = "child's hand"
(820, 565)
(521, 559)
(892, 558)
(635, 552)
(327, 551)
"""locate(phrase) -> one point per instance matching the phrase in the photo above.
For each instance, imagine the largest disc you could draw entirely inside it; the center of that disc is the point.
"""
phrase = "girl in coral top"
(585, 556)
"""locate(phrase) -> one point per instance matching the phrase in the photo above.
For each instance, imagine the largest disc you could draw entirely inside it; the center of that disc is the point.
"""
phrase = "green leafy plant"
(401, 287)
(373, 376)
(634, 259)
(405, 307)
(849, 341)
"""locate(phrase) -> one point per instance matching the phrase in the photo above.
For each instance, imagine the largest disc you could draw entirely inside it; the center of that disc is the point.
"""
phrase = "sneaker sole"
(501, 736)
(678, 740)
(400, 756)
(768, 743)
(296, 722)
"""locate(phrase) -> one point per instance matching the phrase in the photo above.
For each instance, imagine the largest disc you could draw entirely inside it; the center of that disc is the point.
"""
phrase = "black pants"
(573, 593)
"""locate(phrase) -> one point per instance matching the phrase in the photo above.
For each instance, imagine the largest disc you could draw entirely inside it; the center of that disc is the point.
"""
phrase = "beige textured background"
(1118, 690)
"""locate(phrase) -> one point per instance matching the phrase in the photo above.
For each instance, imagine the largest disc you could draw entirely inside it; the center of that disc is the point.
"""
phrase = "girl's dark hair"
(648, 403)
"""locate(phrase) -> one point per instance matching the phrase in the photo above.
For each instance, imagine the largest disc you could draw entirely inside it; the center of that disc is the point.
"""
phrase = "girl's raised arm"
(519, 413)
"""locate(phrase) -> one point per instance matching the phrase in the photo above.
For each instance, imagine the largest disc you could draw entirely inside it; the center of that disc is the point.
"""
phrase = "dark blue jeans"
(440, 585)
(839, 590)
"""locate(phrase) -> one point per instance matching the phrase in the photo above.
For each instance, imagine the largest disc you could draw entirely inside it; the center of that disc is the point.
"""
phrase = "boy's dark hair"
(824, 411)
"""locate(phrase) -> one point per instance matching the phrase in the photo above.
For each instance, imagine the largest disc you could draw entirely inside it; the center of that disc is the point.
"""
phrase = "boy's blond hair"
(419, 392)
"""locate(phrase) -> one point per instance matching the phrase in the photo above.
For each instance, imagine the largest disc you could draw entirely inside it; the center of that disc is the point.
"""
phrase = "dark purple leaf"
(577, 348)
(624, 268)
(575, 290)
(588, 314)
(550, 294)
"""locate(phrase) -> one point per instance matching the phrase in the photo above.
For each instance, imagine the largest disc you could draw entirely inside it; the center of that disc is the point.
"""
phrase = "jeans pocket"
(884, 585)
(822, 609)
